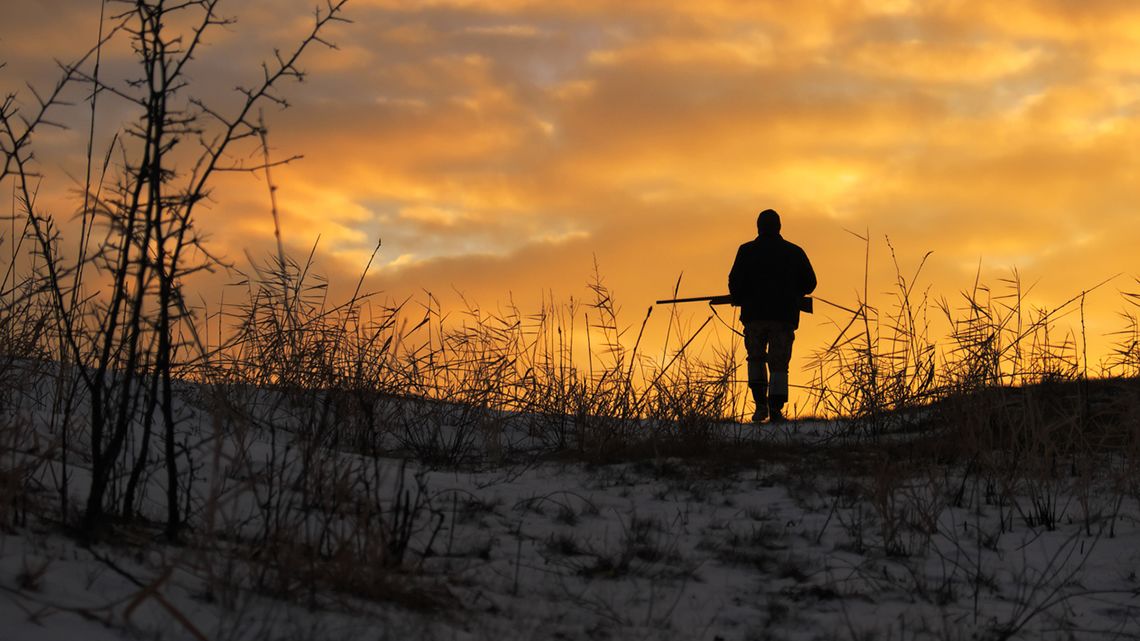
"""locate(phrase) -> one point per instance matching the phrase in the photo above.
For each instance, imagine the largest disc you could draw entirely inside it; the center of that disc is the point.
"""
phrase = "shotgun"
(726, 299)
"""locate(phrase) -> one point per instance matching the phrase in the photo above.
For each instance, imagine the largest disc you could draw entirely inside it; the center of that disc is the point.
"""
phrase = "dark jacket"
(769, 277)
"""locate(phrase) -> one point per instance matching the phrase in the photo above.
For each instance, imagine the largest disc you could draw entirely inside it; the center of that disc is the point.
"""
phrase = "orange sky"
(497, 147)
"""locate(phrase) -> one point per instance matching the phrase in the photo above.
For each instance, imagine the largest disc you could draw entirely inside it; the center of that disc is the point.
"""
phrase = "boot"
(760, 397)
(776, 410)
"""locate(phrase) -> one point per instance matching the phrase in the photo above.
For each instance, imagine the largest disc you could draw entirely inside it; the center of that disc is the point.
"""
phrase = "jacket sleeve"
(807, 275)
(737, 276)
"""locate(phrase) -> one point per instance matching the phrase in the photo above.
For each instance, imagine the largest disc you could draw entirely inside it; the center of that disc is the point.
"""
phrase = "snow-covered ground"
(779, 533)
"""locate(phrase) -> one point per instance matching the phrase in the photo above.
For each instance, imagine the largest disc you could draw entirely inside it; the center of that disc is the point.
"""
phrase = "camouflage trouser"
(769, 347)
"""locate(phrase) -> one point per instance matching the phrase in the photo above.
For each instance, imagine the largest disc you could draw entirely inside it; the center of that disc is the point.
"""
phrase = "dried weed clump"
(454, 389)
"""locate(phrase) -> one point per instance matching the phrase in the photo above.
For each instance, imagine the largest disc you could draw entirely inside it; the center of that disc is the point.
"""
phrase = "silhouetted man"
(768, 280)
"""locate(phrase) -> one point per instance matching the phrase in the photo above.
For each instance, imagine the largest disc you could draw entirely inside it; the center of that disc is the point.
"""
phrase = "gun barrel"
(723, 299)
(726, 299)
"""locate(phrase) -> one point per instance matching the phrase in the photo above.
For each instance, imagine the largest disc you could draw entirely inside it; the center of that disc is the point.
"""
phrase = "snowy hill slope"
(801, 531)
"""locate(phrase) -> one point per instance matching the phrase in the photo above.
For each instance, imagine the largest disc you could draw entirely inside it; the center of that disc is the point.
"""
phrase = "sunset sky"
(498, 147)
